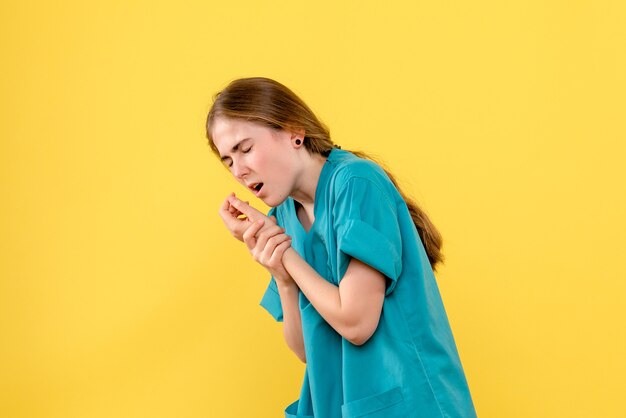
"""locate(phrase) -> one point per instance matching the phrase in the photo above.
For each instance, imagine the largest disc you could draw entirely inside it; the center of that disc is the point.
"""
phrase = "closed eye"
(243, 151)
(229, 161)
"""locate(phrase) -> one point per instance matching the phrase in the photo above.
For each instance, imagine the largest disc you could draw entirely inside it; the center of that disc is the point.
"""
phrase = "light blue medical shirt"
(410, 366)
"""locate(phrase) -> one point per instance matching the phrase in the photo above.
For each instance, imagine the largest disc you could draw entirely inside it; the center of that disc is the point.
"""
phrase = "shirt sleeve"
(365, 219)
(271, 299)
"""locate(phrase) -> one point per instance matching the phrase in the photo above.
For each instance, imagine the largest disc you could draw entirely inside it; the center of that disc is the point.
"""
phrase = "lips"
(256, 187)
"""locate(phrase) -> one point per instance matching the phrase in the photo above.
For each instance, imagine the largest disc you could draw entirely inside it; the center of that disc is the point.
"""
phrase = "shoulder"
(350, 169)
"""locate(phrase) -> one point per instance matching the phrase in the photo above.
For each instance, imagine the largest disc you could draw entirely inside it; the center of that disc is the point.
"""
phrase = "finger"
(268, 233)
(234, 208)
(227, 217)
(225, 206)
(280, 249)
(252, 228)
(249, 234)
(231, 220)
(240, 212)
(276, 240)
(264, 237)
(268, 224)
(227, 210)
(246, 209)
(270, 230)
(234, 211)
(266, 252)
(271, 245)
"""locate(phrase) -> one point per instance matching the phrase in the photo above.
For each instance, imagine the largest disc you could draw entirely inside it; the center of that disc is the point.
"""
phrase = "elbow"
(298, 350)
(358, 340)
(300, 353)
(359, 335)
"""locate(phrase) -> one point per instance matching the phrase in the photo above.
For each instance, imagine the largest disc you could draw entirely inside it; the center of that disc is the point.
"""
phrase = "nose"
(239, 169)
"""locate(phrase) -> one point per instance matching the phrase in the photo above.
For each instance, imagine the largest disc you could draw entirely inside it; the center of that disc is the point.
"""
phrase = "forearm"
(322, 294)
(292, 323)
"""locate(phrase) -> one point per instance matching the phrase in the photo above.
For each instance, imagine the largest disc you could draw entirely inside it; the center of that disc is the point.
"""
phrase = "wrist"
(286, 285)
(289, 255)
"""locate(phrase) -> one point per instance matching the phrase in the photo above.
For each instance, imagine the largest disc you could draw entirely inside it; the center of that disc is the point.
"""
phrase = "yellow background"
(122, 295)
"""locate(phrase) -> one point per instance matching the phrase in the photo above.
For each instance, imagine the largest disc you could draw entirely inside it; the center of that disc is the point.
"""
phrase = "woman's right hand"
(237, 226)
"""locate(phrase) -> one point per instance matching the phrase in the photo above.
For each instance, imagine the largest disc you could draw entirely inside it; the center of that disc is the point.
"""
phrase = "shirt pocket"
(388, 404)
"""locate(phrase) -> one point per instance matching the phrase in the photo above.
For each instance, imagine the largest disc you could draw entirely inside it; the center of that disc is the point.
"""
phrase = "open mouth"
(256, 187)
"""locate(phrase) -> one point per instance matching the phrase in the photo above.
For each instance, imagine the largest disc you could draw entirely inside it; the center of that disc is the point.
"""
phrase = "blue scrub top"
(410, 366)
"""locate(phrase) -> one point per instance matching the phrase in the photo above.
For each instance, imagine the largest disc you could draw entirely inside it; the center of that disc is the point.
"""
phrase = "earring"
(298, 142)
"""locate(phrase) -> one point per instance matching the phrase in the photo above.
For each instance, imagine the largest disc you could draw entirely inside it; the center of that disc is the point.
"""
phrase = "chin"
(273, 202)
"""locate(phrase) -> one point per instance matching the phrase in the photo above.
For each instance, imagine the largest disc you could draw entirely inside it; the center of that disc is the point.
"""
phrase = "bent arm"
(353, 308)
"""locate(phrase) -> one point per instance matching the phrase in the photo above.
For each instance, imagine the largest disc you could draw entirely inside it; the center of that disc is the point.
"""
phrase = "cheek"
(258, 161)
(264, 163)
(258, 166)
(271, 166)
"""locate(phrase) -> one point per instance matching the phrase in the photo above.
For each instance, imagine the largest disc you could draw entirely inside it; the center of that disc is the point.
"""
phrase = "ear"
(297, 134)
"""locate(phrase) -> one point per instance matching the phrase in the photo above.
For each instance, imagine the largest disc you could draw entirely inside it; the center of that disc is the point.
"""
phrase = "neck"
(304, 192)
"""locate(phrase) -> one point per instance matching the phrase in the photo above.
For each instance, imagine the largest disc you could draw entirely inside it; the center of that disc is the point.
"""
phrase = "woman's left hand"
(230, 211)
(268, 248)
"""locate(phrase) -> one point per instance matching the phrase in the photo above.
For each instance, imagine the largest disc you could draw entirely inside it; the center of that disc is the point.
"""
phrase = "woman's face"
(260, 158)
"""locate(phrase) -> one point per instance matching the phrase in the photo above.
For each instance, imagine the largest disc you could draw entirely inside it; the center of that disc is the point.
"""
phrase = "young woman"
(351, 262)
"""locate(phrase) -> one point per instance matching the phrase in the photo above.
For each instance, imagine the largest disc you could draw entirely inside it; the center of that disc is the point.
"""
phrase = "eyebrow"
(235, 148)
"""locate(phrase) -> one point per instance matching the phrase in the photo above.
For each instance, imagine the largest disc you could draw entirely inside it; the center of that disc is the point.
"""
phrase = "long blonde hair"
(266, 101)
